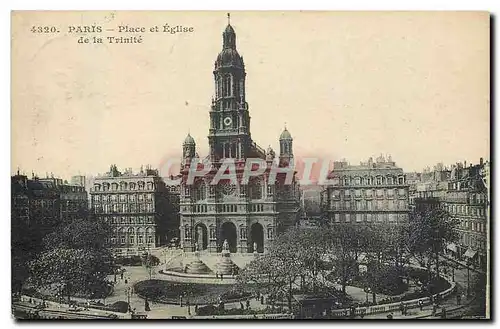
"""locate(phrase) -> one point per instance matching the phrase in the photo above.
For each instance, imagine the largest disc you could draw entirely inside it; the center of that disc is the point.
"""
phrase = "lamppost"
(128, 299)
(468, 279)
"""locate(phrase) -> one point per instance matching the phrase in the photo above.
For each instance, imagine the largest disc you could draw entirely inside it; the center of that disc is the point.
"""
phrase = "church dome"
(189, 140)
(229, 57)
(285, 134)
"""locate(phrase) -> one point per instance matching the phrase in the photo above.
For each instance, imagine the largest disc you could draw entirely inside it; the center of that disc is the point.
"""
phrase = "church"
(246, 214)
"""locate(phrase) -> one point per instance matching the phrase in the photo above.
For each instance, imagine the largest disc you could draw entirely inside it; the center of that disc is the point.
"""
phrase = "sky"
(350, 85)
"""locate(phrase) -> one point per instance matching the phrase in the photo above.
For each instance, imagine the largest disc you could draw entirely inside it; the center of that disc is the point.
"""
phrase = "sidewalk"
(449, 304)
(462, 263)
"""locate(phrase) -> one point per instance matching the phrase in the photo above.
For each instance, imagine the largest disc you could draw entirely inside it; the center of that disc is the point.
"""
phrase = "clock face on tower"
(227, 121)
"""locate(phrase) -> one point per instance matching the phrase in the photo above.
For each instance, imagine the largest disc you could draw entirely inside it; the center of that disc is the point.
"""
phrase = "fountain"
(225, 265)
(197, 266)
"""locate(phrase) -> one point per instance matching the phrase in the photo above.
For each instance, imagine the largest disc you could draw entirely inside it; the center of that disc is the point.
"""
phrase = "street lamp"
(128, 299)
(468, 278)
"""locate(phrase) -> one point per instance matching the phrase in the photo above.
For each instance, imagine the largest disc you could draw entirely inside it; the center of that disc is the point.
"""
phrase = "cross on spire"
(228, 18)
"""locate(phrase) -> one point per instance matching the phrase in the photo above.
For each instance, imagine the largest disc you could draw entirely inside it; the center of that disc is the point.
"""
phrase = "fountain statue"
(225, 265)
(197, 266)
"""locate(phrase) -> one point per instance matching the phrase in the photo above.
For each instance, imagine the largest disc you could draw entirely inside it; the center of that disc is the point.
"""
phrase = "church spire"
(229, 36)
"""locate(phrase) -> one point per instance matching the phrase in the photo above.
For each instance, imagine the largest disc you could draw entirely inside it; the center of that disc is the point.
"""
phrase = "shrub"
(153, 260)
(129, 260)
(207, 310)
(119, 306)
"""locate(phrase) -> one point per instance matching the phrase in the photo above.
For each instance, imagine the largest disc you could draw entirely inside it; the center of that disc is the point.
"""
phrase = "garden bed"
(214, 310)
(169, 292)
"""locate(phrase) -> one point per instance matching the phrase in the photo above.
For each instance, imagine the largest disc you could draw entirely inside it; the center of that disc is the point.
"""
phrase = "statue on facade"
(255, 247)
(225, 245)
(196, 246)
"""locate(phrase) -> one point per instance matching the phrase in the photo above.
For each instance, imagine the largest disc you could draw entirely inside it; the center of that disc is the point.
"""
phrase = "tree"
(295, 254)
(312, 249)
(388, 243)
(430, 230)
(149, 262)
(25, 244)
(75, 259)
(345, 243)
(480, 291)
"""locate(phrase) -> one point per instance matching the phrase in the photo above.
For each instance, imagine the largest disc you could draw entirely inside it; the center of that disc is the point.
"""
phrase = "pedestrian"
(262, 300)
(434, 309)
(458, 299)
(406, 310)
(217, 275)
(221, 277)
(443, 313)
(241, 306)
(421, 304)
(402, 308)
(180, 300)
(121, 275)
(126, 281)
(248, 304)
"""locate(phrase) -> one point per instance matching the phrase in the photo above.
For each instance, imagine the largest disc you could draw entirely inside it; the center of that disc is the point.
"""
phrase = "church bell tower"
(229, 134)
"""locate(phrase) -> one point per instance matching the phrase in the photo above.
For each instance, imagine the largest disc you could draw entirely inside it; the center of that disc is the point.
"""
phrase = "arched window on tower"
(226, 85)
(255, 189)
(217, 87)
(200, 191)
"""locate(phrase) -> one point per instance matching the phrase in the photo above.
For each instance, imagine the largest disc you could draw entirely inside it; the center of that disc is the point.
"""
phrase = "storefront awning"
(452, 247)
(470, 253)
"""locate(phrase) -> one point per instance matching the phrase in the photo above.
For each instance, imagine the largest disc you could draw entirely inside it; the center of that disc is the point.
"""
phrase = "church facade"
(247, 213)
